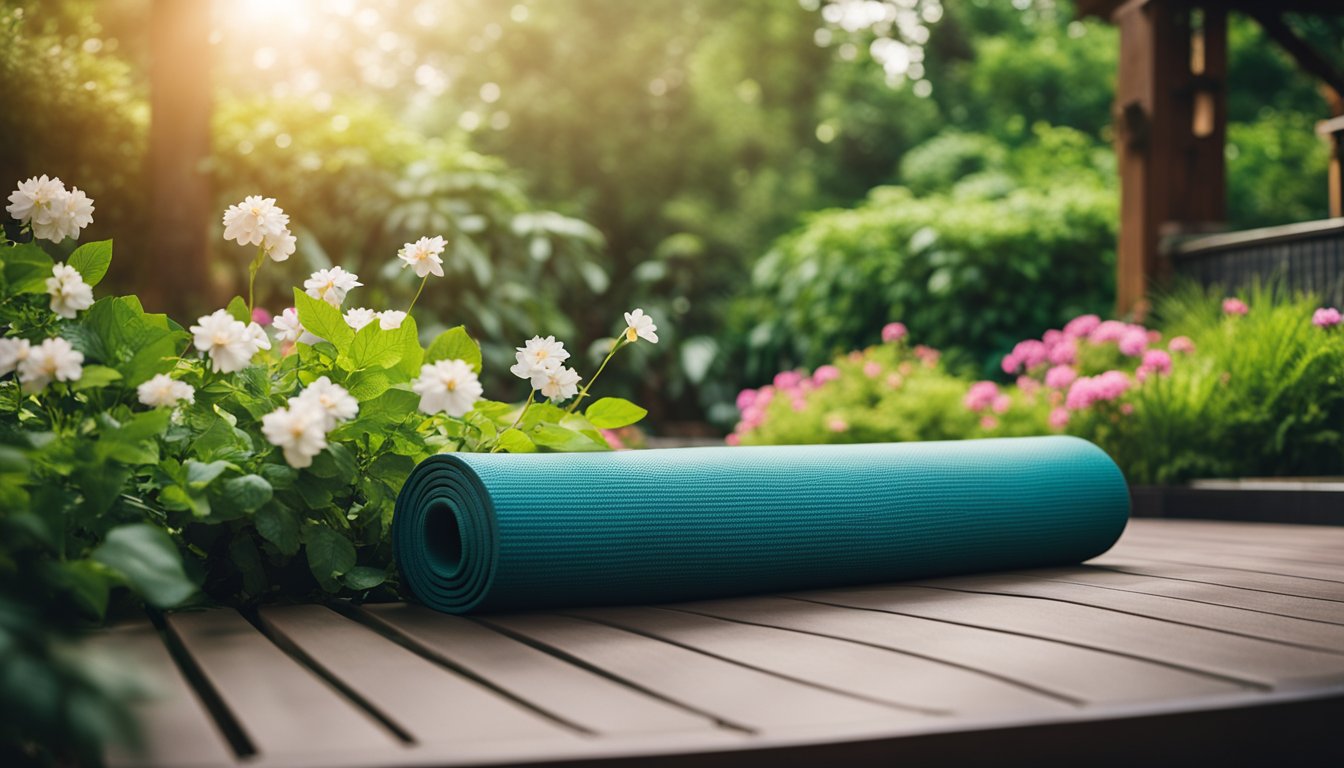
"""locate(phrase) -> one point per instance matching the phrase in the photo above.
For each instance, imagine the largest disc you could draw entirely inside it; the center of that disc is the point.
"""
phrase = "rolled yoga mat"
(493, 532)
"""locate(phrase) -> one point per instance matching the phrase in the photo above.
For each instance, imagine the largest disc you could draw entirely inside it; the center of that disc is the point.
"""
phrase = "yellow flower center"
(631, 334)
(450, 385)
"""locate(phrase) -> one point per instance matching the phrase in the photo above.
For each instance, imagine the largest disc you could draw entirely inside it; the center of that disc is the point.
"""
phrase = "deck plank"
(282, 707)
(1224, 574)
(176, 728)
(744, 698)
(568, 693)
(1246, 660)
(898, 679)
(427, 701)
(1082, 675)
(1265, 626)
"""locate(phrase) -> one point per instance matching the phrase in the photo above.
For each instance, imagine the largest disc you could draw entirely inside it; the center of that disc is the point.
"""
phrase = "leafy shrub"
(968, 276)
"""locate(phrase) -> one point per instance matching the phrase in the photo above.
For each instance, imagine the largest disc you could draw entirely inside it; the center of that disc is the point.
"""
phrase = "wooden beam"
(1307, 57)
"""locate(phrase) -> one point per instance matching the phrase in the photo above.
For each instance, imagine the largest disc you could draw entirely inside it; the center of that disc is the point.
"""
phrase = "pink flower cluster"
(1233, 306)
(1326, 317)
(1088, 390)
(1155, 361)
(892, 332)
(795, 385)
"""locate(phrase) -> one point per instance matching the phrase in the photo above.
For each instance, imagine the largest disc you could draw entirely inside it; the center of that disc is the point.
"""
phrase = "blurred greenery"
(689, 135)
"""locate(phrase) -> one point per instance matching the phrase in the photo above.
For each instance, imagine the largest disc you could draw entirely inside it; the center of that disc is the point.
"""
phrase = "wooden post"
(1333, 131)
(176, 272)
(1170, 118)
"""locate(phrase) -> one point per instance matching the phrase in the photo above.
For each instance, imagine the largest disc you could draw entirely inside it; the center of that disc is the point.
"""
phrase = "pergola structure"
(1170, 119)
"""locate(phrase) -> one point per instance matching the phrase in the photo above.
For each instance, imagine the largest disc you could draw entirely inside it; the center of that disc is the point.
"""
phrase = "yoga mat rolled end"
(489, 532)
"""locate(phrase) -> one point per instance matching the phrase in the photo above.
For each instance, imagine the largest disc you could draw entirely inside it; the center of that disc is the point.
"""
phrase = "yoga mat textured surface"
(490, 532)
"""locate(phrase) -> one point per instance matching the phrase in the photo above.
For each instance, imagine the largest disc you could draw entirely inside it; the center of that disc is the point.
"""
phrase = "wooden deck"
(1189, 642)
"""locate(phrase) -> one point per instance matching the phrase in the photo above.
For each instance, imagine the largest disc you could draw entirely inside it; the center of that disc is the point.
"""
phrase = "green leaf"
(200, 474)
(336, 461)
(145, 555)
(85, 580)
(330, 555)
(374, 346)
(514, 441)
(277, 524)
(247, 493)
(369, 384)
(320, 318)
(558, 438)
(92, 260)
(94, 376)
(363, 577)
(455, 344)
(237, 309)
(27, 268)
(614, 413)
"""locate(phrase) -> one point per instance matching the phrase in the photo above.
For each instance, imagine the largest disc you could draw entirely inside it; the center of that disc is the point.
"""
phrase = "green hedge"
(970, 276)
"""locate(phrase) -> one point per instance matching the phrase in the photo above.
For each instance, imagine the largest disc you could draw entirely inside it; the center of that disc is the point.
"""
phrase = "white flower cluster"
(70, 295)
(37, 366)
(53, 212)
(230, 343)
(300, 428)
(259, 221)
(448, 386)
(424, 255)
(163, 391)
(542, 363)
(289, 329)
(331, 285)
(388, 319)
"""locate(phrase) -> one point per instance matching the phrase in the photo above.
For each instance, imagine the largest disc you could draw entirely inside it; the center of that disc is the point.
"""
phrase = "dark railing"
(1300, 257)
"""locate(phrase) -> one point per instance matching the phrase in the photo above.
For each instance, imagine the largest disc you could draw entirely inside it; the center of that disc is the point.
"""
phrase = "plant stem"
(416, 297)
(516, 421)
(252, 271)
(616, 345)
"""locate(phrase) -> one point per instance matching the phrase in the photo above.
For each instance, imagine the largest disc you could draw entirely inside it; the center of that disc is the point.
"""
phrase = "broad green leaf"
(558, 438)
(145, 555)
(92, 260)
(248, 492)
(85, 580)
(391, 468)
(277, 524)
(201, 474)
(614, 413)
(335, 462)
(237, 309)
(514, 441)
(141, 426)
(320, 318)
(379, 415)
(455, 344)
(330, 555)
(27, 268)
(409, 364)
(374, 346)
(94, 376)
(363, 577)
(368, 384)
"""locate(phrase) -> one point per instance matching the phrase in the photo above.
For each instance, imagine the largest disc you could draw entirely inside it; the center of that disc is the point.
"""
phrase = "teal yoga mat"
(491, 532)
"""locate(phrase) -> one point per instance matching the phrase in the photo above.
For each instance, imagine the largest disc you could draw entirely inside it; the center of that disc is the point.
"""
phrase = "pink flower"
(261, 317)
(788, 379)
(837, 424)
(872, 369)
(1064, 353)
(988, 422)
(1002, 403)
(1181, 344)
(745, 398)
(1053, 337)
(1127, 408)
(1093, 389)
(613, 440)
(824, 374)
(893, 332)
(733, 439)
(1133, 342)
(1027, 384)
(1235, 307)
(1026, 355)
(1326, 317)
(1111, 330)
(981, 395)
(1059, 418)
(927, 355)
(1157, 361)
(1081, 326)
(894, 380)
(1060, 377)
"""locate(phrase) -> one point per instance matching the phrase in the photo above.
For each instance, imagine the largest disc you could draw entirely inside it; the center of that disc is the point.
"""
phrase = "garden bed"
(1300, 500)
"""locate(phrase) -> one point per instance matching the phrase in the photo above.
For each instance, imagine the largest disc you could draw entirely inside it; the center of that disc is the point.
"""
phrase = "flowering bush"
(1235, 387)
(226, 461)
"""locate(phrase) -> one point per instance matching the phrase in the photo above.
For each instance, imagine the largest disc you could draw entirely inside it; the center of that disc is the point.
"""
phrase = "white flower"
(640, 326)
(255, 219)
(12, 352)
(288, 328)
(279, 246)
(52, 359)
(35, 198)
(332, 400)
(559, 383)
(331, 285)
(69, 293)
(424, 255)
(258, 336)
(230, 343)
(449, 386)
(358, 318)
(539, 355)
(299, 430)
(69, 213)
(163, 391)
(391, 319)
